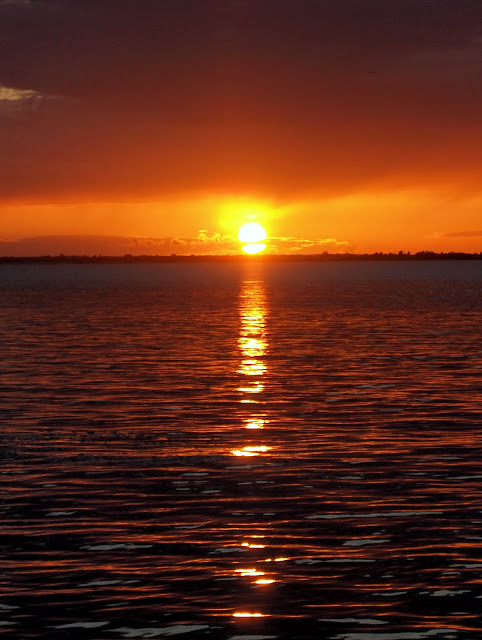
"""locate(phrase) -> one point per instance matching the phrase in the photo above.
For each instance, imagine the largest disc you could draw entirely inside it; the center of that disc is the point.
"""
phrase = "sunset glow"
(266, 136)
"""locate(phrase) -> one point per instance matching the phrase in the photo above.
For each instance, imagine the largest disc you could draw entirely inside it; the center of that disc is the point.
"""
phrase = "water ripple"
(256, 458)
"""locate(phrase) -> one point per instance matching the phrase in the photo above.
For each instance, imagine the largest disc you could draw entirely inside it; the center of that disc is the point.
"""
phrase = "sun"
(252, 249)
(251, 232)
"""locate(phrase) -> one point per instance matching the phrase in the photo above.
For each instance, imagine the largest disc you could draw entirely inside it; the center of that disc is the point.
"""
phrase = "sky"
(161, 126)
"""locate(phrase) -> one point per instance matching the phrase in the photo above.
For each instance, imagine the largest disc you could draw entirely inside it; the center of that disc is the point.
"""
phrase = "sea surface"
(241, 451)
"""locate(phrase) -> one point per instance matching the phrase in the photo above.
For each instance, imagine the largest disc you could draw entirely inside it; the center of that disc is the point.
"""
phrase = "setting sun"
(252, 233)
(252, 249)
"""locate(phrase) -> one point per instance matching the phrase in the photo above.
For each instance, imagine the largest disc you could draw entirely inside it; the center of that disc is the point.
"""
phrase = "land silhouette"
(173, 258)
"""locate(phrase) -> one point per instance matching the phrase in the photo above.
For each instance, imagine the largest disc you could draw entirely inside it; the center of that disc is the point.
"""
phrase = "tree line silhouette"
(315, 257)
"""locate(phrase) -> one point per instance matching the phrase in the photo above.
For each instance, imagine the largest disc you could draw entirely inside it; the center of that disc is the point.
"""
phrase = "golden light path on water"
(253, 346)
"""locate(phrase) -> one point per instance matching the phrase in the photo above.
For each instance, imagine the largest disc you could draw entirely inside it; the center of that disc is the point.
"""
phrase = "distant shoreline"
(324, 257)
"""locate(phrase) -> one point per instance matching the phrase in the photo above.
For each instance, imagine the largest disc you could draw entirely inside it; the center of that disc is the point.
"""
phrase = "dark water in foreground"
(288, 451)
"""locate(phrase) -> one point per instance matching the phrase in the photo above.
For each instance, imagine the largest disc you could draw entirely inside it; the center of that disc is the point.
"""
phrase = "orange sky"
(147, 127)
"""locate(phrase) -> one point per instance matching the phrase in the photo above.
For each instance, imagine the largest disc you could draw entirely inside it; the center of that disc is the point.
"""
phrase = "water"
(280, 451)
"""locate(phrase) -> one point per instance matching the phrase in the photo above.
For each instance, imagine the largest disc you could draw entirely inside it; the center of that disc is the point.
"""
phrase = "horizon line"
(324, 256)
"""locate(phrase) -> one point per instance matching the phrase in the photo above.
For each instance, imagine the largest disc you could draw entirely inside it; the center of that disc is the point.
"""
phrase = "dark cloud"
(145, 98)
(118, 245)
(462, 234)
(203, 243)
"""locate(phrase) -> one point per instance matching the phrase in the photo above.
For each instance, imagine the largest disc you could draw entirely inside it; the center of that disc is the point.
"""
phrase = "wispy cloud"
(13, 100)
(287, 245)
(10, 94)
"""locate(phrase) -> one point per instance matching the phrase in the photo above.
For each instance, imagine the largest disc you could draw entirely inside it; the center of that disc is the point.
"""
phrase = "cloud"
(287, 245)
(203, 243)
(15, 101)
(16, 95)
(461, 234)
(118, 245)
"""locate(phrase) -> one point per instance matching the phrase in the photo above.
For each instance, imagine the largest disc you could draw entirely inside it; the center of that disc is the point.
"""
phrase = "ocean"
(242, 451)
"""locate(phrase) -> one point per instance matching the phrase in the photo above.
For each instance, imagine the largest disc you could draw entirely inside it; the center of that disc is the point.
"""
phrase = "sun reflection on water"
(249, 452)
(253, 345)
(256, 423)
(249, 572)
(253, 369)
